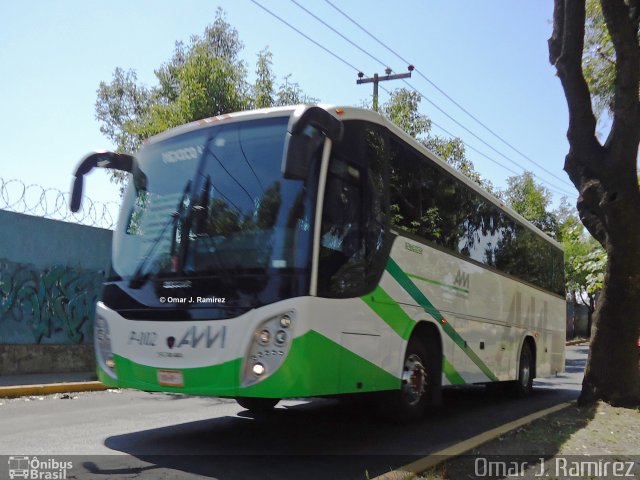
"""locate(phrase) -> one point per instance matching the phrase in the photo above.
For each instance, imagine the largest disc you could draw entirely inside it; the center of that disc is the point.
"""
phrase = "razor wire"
(33, 199)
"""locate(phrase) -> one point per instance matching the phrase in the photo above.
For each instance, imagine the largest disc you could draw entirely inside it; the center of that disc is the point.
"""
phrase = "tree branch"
(582, 297)
(622, 23)
(565, 53)
(591, 214)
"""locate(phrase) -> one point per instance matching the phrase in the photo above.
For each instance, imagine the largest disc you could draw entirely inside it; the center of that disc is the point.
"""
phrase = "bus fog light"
(258, 369)
(281, 337)
(264, 337)
(268, 348)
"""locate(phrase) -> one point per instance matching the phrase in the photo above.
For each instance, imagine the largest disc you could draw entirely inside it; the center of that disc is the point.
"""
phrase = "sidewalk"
(48, 383)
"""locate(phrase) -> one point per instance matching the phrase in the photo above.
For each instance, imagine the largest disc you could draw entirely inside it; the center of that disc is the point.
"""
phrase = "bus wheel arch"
(429, 335)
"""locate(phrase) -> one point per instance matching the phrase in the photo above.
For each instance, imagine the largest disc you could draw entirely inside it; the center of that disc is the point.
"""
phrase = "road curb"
(430, 461)
(48, 389)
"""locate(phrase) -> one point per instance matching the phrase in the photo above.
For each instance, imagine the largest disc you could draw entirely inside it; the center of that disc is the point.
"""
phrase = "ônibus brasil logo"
(35, 468)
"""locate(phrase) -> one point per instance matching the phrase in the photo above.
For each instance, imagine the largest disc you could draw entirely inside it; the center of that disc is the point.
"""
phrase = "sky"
(490, 57)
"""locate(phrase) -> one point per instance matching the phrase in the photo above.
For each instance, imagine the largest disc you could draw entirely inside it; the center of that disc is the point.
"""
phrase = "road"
(130, 434)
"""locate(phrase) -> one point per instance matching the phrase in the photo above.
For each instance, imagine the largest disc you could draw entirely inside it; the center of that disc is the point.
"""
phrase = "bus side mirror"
(103, 159)
(307, 128)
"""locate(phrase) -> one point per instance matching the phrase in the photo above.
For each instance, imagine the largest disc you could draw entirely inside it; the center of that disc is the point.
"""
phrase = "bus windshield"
(213, 202)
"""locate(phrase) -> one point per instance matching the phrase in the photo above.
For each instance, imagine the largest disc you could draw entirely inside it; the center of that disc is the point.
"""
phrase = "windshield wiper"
(139, 278)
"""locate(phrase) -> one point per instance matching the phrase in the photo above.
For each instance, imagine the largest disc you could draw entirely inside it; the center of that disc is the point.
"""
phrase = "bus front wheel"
(258, 405)
(418, 382)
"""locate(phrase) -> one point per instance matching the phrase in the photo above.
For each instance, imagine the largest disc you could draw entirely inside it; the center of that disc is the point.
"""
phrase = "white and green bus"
(316, 251)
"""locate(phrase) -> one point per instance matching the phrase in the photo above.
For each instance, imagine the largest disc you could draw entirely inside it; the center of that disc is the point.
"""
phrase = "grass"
(572, 436)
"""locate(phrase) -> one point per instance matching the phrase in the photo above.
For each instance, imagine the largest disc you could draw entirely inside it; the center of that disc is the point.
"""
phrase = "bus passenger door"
(354, 244)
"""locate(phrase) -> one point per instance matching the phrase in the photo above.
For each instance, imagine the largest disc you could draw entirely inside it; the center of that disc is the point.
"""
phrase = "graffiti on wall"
(54, 305)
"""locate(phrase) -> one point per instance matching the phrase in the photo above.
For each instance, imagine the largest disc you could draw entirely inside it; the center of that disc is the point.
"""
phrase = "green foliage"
(402, 109)
(584, 258)
(263, 88)
(598, 59)
(203, 78)
(290, 93)
(119, 105)
(531, 200)
(592, 266)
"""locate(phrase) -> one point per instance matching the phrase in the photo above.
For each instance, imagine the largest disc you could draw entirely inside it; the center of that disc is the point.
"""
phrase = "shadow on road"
(317, 439)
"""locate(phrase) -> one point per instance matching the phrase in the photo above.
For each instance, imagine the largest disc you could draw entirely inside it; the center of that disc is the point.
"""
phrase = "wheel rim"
(525, 371)
(414, 379)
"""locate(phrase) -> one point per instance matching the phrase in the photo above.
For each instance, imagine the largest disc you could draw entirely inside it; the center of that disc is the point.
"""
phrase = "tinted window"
(430, 203)
(354, 218)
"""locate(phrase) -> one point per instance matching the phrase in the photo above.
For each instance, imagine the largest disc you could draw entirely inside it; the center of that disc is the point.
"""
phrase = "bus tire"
(418, 382)
(257, 405)
(523, 386)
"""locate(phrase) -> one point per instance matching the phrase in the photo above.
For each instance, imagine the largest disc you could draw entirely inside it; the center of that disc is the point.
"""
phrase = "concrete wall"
(50, 276)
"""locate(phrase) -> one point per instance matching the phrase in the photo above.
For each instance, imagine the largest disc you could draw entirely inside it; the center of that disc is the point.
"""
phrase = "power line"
(423, 76)
(330, 52)
(422, 94)
(338, 33)
(306, 36)
(480, 139)
(555, 189)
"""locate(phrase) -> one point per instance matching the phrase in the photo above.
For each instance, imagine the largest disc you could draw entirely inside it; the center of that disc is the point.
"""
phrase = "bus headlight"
(269, 347)
(102, 343)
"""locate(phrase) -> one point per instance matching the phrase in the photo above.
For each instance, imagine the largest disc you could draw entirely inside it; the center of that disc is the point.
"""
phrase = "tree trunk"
(609, 198)
(590, 311)
(612, 370)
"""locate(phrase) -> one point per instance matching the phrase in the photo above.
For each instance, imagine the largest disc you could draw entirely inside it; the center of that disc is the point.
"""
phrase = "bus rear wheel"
(523, 386)
(257, 405)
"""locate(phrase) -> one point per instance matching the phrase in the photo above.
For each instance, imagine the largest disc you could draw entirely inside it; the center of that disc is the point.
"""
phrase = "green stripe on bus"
(396, 272)
(455, 336)
(316, 365)
(436, 282)
(389, 310)
(451, 373)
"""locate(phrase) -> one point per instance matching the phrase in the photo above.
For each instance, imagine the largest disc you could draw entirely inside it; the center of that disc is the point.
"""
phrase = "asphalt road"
(130, 434)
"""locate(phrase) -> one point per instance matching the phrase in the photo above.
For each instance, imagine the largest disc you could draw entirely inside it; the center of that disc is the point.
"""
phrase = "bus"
(313, 251)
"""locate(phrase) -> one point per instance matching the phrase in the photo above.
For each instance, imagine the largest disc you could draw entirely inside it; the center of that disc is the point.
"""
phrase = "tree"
(584, 260)
(531, 200)
(263, 87)
(290, 93)
(203, 78)
(599, 59)
(402, 109)
(605, 176)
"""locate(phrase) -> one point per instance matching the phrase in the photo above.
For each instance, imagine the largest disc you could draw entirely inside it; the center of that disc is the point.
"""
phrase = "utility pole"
(376, 79)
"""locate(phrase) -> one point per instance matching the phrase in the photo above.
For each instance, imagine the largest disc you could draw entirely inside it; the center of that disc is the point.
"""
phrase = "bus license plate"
(170, 378)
